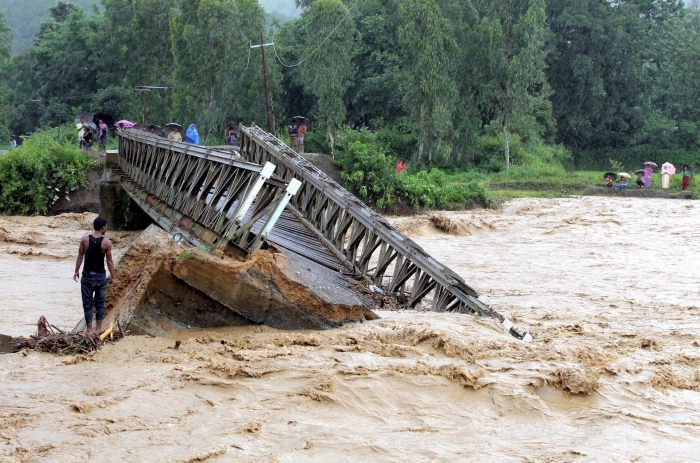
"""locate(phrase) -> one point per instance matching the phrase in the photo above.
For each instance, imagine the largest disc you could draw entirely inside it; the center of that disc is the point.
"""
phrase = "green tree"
(510, 60)
(217, 79)
(326, 73)
(427, 72)
(5, 41)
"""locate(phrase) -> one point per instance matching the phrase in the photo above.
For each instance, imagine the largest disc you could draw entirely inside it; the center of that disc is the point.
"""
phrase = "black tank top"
(94, 257)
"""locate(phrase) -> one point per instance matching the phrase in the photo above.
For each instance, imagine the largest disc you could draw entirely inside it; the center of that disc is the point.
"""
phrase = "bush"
(365, 168)
(368, 172)
(433, 190)
(35, 175)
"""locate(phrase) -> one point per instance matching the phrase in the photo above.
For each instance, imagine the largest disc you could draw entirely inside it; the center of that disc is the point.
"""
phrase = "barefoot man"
(94, 281)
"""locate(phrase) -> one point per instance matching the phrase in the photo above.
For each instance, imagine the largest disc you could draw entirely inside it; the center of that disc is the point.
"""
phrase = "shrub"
(365, 168)
(35, 175)
(433, 190)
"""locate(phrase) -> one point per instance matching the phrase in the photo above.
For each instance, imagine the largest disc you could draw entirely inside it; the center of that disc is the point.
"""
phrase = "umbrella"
(91, 125)
(156, 129)
(639, 171)
(124, 123)
(649, 163)
(624, 174)
(86, 116)
(300, 118)
(171, 125)
(610, 174)
(668, 168)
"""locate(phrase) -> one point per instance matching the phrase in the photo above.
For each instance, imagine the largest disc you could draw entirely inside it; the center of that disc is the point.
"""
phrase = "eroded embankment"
(163, 286)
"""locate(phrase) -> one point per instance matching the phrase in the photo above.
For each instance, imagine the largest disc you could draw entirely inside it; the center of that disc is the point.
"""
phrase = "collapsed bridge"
(265, 194)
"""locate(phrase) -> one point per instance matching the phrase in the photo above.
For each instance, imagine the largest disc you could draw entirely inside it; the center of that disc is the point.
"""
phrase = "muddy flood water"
(608, 286)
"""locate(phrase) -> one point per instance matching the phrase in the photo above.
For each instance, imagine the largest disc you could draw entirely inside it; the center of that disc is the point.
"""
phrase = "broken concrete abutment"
(165, 286)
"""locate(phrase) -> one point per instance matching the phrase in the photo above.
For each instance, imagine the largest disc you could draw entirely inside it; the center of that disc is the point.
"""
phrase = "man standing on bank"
(94, 281)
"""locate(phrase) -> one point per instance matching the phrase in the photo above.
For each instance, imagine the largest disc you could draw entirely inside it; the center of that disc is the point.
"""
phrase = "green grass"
(546, 181)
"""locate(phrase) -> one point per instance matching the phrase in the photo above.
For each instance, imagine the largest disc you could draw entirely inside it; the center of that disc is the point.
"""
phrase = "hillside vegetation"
(520, 91)
(25, 16)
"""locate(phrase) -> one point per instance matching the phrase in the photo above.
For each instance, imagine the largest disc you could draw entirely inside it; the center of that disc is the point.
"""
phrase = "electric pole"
(268, 105)
(143, 91)
(147, 88)
(165, 105)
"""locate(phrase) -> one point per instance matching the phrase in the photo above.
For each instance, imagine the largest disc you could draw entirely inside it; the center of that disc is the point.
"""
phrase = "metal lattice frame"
(359, 235)
(212, 198)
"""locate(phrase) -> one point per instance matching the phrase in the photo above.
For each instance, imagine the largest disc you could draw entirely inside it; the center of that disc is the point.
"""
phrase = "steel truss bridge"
(265, 193)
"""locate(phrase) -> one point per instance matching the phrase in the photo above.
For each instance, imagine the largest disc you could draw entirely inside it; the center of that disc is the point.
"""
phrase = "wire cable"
(42, 87)
(322, 43)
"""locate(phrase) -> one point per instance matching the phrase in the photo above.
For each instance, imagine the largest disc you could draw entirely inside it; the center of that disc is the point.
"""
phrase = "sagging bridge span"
(264, 192)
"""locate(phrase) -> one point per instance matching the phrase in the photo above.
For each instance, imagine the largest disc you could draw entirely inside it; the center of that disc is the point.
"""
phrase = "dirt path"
(609, 286)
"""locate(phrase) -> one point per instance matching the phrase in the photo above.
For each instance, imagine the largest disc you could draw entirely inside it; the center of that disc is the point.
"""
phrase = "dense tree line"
(450, 83)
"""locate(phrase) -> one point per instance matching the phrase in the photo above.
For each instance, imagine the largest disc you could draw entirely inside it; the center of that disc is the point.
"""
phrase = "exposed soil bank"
(164, 286)
(84, 199)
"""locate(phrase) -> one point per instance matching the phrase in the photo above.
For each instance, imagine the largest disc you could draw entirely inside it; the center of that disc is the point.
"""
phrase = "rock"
(273, 289)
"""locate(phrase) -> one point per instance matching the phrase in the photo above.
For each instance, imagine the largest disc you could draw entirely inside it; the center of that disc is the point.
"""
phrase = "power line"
(42, 87)
(322, 43)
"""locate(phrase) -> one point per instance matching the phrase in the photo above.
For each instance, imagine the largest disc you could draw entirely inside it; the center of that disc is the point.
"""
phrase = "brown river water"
(608, 286)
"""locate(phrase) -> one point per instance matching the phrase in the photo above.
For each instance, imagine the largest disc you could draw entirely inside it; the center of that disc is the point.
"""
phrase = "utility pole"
(165, 105)
(142, 89)
(60, 116)
(268, 105)
(147, 88)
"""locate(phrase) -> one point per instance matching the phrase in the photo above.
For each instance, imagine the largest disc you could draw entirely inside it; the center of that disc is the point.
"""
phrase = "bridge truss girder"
(213, 199)
(360, 235)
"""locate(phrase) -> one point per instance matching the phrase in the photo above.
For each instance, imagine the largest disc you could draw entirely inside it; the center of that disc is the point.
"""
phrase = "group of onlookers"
(86, 136)
(297, 131)
(644, 176)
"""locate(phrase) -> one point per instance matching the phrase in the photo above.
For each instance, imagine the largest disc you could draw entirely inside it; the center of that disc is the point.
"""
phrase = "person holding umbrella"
(623, 180)
(292, 132)
(87, 138)
(81, 131)
(667, 169)
(175, 135)
(640, 177)
(301, 133)
(648, 171)
(687, 173)
(609, 178)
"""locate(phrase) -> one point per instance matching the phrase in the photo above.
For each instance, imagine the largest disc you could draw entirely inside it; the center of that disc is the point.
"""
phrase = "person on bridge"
(175, 135)
(94, 248)
(301, 132)
(102, 139)
(192, 136)
(232, 137)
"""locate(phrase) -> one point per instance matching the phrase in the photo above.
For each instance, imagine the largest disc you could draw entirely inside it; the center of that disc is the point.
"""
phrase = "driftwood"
(59, 342)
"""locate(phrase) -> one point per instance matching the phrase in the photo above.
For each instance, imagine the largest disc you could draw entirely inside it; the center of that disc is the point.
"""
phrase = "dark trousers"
(93, 284)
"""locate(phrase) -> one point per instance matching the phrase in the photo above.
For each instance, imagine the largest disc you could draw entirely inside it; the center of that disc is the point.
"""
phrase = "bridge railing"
(361, 236)
(214, 199)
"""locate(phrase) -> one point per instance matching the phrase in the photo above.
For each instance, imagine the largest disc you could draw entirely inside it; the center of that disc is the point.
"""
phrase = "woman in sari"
(647, 176)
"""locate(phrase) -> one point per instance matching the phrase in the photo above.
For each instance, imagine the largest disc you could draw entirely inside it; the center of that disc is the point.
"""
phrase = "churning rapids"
(609, 287)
